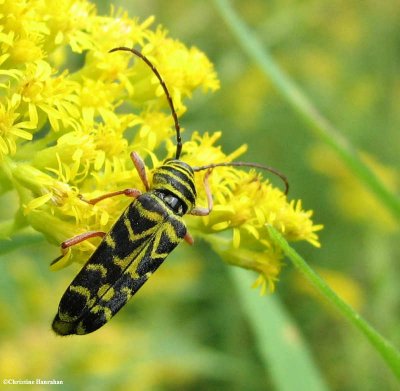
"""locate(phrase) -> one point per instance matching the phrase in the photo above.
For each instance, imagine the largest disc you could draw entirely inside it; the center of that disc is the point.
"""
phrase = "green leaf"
(285, 355)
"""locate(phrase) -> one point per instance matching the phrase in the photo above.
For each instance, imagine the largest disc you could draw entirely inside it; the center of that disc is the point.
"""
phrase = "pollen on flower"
(66, 134)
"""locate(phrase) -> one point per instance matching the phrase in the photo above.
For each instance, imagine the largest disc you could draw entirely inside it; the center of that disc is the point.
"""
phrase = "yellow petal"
(220, 226)
(236, 238)
(20, 133)
(37, 202)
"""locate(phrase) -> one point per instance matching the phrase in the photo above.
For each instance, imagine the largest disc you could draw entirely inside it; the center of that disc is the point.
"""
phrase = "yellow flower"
(67, 133)
(245, 204)
(54, 96)
(12, 128)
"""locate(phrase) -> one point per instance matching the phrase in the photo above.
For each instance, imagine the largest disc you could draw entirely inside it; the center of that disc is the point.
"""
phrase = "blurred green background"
(187, 329)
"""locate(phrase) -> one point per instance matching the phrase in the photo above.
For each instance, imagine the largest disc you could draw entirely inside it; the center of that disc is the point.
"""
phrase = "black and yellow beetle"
(139, 241)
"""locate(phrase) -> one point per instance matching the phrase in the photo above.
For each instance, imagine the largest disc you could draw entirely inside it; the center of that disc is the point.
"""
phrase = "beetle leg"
(128, 192)
(188, 238)
(141, 169)
(199, 211)
(66, 244)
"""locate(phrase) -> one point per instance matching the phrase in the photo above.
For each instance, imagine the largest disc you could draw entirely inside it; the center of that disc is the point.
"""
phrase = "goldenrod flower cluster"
(70, 113)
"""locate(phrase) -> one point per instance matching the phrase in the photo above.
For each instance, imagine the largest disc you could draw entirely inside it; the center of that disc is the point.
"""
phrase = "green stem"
(384, 347)
(321, 126)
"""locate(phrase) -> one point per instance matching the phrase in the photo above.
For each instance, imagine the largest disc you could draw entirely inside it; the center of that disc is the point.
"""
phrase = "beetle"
(139, 241)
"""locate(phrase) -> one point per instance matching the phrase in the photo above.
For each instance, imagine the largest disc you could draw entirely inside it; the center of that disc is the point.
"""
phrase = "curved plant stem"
(320, 125)
(384, 347)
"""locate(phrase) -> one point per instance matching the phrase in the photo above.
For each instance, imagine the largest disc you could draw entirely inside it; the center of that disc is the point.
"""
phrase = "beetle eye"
(174, 203)
(171, 201)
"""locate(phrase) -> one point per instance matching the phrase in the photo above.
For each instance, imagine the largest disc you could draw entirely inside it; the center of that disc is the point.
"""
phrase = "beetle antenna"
(163, 85)
(246, 164)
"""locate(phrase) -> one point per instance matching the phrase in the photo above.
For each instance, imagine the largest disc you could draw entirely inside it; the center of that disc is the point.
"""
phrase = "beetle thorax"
(174, 183)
